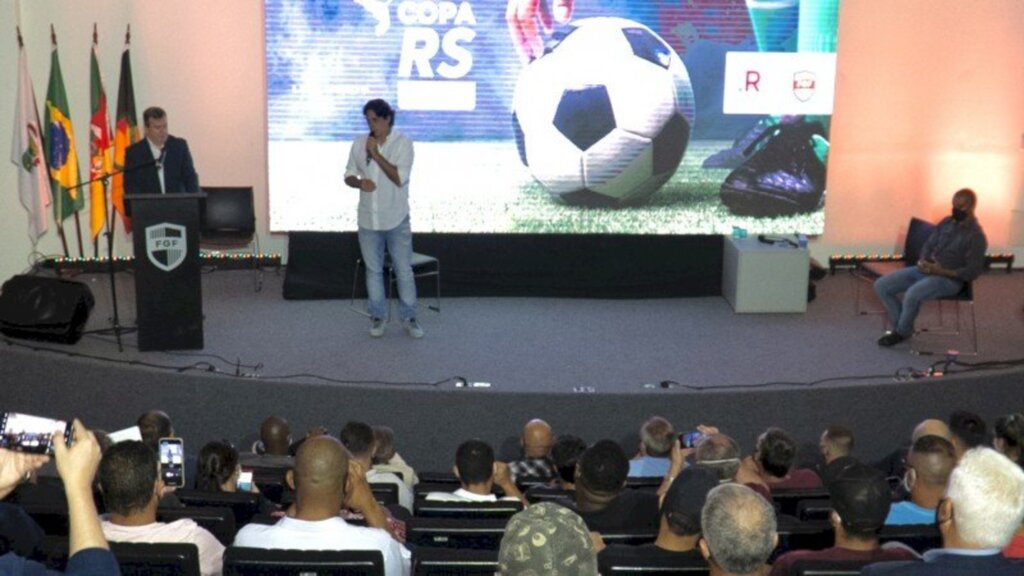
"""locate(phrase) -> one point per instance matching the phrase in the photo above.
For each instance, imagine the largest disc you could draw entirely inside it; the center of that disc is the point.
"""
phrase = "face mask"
(908, 481)
(959, 215)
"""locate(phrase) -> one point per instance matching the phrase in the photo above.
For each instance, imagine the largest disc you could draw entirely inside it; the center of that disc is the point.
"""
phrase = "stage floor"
(551, 345)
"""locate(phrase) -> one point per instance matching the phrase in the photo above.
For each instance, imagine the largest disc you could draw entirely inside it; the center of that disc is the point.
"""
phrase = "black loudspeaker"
(42, 308)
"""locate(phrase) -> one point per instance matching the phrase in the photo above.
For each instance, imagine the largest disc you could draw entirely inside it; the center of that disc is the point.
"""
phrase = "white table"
(759, 277)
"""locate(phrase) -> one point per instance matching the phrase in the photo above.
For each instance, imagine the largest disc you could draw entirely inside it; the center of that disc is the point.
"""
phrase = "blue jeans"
(398, 241)
(916, 287)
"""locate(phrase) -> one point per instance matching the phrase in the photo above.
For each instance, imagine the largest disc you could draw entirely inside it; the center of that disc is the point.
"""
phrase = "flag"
(127, 133)
(27, 154)
(100, 144)
(59, 145)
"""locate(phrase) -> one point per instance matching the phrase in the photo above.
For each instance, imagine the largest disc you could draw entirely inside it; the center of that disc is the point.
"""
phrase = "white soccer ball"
(604, 117)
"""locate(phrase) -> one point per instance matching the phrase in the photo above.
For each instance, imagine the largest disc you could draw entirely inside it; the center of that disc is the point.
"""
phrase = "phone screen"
(690, 439)
(172, 461)
(245, 481)
(33, 434)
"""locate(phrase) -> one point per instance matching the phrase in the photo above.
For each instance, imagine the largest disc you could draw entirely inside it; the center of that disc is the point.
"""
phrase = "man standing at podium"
(159, 163)
(378, 166)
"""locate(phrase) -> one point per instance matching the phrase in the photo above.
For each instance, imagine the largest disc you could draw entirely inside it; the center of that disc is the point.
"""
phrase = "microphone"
(369, 156)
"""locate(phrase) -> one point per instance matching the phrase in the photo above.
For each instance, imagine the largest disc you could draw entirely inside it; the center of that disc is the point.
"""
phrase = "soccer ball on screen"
(604, 117)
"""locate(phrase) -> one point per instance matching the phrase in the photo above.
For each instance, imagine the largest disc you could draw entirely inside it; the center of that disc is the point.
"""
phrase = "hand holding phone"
(33, 434)
(244, 483)
(172, 462)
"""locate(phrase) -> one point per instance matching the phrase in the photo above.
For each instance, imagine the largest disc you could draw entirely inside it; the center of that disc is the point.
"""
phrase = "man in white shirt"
(325, 479)
(379, 165)
(131, 485)
(479, 473)
(358, 438)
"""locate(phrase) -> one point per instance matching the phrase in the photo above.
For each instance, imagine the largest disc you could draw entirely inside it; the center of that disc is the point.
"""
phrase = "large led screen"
(559, 116)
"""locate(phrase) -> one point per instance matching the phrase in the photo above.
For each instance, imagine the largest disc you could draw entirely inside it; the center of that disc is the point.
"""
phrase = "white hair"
(987, 491)
(740, 528)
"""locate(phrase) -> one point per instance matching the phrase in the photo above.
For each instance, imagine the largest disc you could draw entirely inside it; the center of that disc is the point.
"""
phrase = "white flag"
(27, 155)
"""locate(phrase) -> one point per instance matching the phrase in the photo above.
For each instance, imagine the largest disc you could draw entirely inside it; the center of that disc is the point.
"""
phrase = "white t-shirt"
(183, 531)
(329, 534)
(388, 205)
(405, 495)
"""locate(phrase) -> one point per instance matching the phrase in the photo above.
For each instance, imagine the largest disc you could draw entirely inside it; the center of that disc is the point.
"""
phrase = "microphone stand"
(116, 329)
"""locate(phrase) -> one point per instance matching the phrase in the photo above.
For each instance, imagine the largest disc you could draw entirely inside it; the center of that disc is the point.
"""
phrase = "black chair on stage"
(227, 219)
(145, 559)
(423, 266)
(261, 562)
(455, 533)
(454, 562)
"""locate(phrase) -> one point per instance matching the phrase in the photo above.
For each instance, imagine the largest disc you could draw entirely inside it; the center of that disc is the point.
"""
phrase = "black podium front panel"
(168, 290)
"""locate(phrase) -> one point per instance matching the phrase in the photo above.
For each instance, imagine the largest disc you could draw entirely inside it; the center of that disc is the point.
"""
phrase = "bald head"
(537, 439)
(276, 435)
(321, 465)
(931, 427)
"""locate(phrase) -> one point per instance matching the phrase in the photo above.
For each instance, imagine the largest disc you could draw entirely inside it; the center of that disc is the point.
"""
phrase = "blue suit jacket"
(141, 174)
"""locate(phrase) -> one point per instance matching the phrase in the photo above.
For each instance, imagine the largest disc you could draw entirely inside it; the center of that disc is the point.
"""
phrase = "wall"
(928, 100)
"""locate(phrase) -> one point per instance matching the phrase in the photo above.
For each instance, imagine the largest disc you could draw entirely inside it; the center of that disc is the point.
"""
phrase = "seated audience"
(893, 464)
(88, 551)
(602, 499)
(656, 438)
(860, 504)
(546, 540)
(836, 446)
(387, 459)
(131, 485)
(219, 470)
(1009, 441)
(739, 531)
(271, 450)
(565, 453)
(929, 464)
(535, 465)
(325, 479)
(478, 473)
(968, 431)
(358, 438)
(679, 527)
(719, 453)
(153, 426)
(772, 460)
(983, 507)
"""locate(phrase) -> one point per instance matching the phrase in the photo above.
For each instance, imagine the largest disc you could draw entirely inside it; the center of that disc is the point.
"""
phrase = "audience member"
(87, 549)
(219, 470)
(131, 485)
(773, 459)
(929, 464)
(153, 426)
(656, 438)
(271, 450)
(968, 431)
(1009, 437)
(478, 473)
(739, 531)
(565, 453)
(325, 479)
(836, 446)
(387, 459)
(893, 464)
(358, 438)
(679, 527)
(601, 498)
(984, 505)
(535, 465)
(546, 540)
(860, 504)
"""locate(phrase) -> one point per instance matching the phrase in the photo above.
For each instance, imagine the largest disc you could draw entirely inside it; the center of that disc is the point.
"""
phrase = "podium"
(168, 291)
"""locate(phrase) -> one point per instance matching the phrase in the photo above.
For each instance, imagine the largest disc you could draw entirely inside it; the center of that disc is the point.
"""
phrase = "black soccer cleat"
(782, 175)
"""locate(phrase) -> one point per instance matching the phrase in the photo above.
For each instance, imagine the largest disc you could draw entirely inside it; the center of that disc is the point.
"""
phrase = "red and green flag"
(100, 144)
(126, 131)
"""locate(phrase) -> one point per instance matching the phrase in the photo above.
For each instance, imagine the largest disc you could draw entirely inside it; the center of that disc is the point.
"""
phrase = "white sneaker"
(412, 327)
(377, 327)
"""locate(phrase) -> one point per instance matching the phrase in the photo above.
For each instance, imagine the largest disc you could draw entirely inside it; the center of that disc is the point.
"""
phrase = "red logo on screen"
(804, 83)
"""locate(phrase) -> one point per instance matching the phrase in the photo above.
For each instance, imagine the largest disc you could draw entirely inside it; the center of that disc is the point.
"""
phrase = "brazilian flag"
(59, 147)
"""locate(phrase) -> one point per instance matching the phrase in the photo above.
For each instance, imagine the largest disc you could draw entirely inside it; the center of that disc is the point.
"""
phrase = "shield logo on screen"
(804, 83)
(166, 245)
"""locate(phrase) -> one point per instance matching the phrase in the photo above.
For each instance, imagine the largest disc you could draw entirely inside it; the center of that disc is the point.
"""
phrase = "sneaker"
(376, 327)
(412, 327)
(738, 153)
(783, 176)
(891, 339)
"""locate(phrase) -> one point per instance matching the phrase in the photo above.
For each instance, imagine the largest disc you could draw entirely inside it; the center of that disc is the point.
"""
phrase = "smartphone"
(245, 481)
(690, 439)
(32, 434)
(172, 462)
